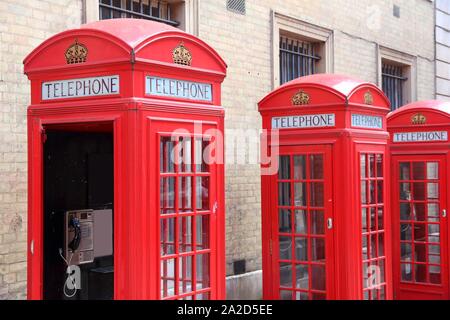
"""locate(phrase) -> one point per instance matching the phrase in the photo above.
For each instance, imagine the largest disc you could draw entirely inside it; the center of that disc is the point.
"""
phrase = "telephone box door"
(420, 227)
(302, 253)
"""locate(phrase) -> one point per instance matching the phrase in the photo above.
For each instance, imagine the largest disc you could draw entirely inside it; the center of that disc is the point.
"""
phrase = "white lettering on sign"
(77, 88)
(305, 121)
(420, 136)
(166, 87)
(365, 121)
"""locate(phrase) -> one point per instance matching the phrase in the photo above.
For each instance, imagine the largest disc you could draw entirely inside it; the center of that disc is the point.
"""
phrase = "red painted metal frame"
(132, 49)
(342, 96)
(437, 118)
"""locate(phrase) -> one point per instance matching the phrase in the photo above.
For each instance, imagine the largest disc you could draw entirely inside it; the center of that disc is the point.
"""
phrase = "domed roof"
(428, 105)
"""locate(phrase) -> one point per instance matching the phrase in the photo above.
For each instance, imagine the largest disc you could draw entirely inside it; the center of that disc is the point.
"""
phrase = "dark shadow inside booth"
(78, 212)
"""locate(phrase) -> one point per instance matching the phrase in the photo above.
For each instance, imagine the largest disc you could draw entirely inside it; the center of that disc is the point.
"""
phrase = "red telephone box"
(126, 118)
(325, 212)
(420, 156)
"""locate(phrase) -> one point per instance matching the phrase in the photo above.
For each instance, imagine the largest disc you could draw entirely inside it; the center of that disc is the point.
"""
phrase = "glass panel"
(202, 156)
(406, 272)
(420, 273)
(202, 193)
(380, 244)
(318, 249)
(301, 296)
(419, 211)
(363, 166)
(381, 265)
(432, 170)
(284, 171)
(202, 231)
(202, 296)
(300, 194)
(435, 274)
(316, 166)
(285, 245)
(167, 236)
(405, 211)
(301, 249)
(285, 295)
(299, 167)
(419, 232)
(318, 296)
(433, 190)
(166, 155)
(301, 222)
(318, 277)
(419, 191)
(406, 252)
(405, 231)
(167, 278)
(202, 270)
(380, 218)
(379, 159)
(380, 199)
(405, 191)
(286, 275)
(185, 274)
(185, 234)
(364, 219)
(167, 195)
(373, 219)
(317, 222)
(404, 171)
(433, 212)
(365, 240)
(371, 165)
(418, 171)
(433, 232)
(316, 194)
(420, 253)
(302, 276)
(284, 194)
(185, 194)
(185, 146)
(284, 221)
(372, 199)
(363, 192)
(365, 275)
(373, 246)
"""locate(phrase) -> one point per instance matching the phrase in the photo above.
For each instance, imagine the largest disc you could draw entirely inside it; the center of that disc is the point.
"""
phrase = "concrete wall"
(443, 49)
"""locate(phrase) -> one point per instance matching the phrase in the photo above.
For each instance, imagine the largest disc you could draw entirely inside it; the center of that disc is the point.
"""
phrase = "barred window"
(141, 9)
(394, 83)
(297, 58)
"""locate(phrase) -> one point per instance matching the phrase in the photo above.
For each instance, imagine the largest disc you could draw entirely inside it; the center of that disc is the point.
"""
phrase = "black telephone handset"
(75, 243)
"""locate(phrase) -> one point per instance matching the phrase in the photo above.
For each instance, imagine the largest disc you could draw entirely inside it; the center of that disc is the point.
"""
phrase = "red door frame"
(401, 289)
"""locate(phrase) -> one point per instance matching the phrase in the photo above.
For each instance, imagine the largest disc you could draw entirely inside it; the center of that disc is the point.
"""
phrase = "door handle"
(330, 223)
(444, 213)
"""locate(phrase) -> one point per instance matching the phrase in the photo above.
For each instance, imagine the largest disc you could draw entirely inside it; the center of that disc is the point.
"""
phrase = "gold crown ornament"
(76, 53)
(368, 98)
(418, 118)
(300, 98)
(181, 55)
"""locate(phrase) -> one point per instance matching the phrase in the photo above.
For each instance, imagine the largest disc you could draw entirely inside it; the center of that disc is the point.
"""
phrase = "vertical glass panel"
(166, 155)
(433, 232)
(363, 192)
(316, 166)
(316, 194)
(420, 273)
(185, 194)
(365, 275)
(300, 194)
(405, 231)
(284, 169)
(365, 241)
(202, 270)
(372, 199)
(167, 278)
(185, 274)
(167, 195)
(419, 211)
(419, 232)
(373, 246)
(380, 198)
(185, 234)
(373, 218)
(301, 249)
(202, 231)
(433, 191)
(202, 156)
(404, 171)
(432, 170)
(318, 277)
(366, 295)
(435, 274)
(285, 245)
(318, 296)
(202, 193)
(380, 218)
(433, 212)
(405, 211)
(301, 296)
(301, 276)
(381, 265)
(185, 154)
(381, 244)
(405, 191)
(317, 222)
(202, 296)
(406, 269)
(301, 222)
(284, 221)
(167, 236)
(299, 167)
(371, 165)
(284, 193)
(364, 219)
(419, 191)
(286, 275)
(285, 295)
(420, 253)
(406, 252)
(363, 166)
(318, 249)
(379, 160)
(382, 293)
(418, 171)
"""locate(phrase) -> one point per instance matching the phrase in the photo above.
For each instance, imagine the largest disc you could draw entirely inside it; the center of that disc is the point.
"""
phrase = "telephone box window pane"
(381, 265)
(405, 191)
(433, 212)
(405, 170)
(318, 249)
(284, 221)
(302, 276)
(167, 236)
(406, 252)
(372, 199)
(419, 191)
(167, 155)
(185, 194)
(185, 234)
(185, 146)
(420, 273)
(419, 211)
(316, 194)
(371, 165)
(167, 278)
(433, 191)
(202, 232)
(202, 193)
(284, 194)
(379, 160)
(316, 166)
(300, 194)
(284, 170)
(380, 192)
(185, 274)
(317, 222)
(318, 296)
(373, 246)
(285, 245)
(406, 269)
(318, 277)
(433, 232)
(420, 253)
(405, 231)
(418, 171)
(301, 249)
(301, 296)
(363, 166)
(299, 167)
(301, 222)
(432, 170)
(373, 219)
(363, 192)
(285, 295)
(405, 211)
(380, 218)
(202, 296)
(167, 195)
(365, 241)
(202, 155)
(202, 271)
(420, 232)
(380, 244)
(364, 219)
(435, 274)
(286, 275)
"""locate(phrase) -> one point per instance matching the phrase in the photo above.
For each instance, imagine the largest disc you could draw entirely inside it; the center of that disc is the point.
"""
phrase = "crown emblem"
(368, 98)
(76, 53)
(418, 118)
(181, 55)
(300, 98)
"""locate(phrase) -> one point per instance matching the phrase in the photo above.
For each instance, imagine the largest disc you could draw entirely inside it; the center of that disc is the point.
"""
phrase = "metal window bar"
(393, 83)
(111, 9)
(297, 59)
